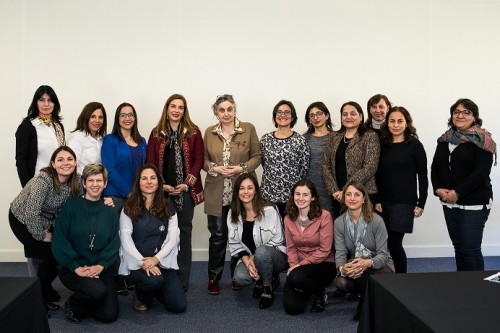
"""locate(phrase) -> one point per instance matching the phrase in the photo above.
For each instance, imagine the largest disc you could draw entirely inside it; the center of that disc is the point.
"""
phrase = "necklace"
(92, 227)
(303, 223)
(346, 140)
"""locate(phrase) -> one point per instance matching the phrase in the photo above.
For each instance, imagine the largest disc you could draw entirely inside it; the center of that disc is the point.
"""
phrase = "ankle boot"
(267, 298)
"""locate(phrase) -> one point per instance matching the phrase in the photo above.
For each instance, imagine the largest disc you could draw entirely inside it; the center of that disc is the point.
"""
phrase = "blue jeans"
(165, 287)
(465, 228)
(268, 261)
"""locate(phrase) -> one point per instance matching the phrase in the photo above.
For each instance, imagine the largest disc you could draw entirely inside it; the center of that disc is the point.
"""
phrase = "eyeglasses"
(283, 112)
(464, 113)
(318, 114)
(127, 115)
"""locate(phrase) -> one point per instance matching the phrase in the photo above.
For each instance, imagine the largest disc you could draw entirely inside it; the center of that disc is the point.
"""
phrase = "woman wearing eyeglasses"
(123, 152)
(285, 156)
(352, 153)
(319, 129)
(460, 175)
(231, 148)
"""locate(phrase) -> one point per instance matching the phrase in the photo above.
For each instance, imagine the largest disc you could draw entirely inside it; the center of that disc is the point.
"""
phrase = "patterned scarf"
(179, 174)
(357, 233)
(475, 134)
(61, 140)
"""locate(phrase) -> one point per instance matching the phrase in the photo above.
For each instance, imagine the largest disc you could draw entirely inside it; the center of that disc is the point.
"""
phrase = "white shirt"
(47, 143)
(86, 148)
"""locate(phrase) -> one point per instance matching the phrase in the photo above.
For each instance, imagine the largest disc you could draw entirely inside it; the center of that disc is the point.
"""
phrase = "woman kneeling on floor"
(309, 238)
(256, 237)
(149, 236)
(85, 245)
(360, 242)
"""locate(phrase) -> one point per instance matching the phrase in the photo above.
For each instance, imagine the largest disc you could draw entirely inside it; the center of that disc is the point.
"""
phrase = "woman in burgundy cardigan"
(175, 147)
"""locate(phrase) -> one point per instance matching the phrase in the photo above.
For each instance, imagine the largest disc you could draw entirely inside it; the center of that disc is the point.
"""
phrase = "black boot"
(267, 298)
(258, 289)
(319, 302)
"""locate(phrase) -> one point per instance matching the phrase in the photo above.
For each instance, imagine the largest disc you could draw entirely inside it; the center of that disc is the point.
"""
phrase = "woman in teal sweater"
(85, 245)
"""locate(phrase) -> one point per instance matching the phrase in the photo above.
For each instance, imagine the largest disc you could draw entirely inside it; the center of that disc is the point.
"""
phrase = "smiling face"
(397, 125)
(462, 118)
(64, 164)
(317, 118)
(95, 122)
(126, 118)
(354, 198)
(379, 110)
(175, 110)
(246, 192)
(302, 197)
(45, 106)
(148, 183)
(226, 112)
(283, 116)
(351, 119)
(94, 185)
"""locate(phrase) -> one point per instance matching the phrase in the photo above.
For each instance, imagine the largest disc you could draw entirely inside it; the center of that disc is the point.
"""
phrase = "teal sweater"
(78, 219)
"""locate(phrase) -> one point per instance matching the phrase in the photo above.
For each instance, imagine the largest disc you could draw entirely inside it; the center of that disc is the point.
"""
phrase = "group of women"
(286, 224)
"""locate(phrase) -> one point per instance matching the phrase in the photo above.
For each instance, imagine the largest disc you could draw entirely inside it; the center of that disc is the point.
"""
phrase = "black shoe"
(121, 286)
(52, 306)
(266, 298)
(69, 315)
(53, 296)
(258, 290)
(338, 293)
(354, 297)
(319, 302)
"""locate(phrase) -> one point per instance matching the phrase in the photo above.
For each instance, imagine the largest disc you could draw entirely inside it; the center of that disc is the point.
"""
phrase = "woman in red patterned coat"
(175, 147)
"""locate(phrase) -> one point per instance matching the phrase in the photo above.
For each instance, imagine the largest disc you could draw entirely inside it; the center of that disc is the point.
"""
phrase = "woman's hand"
(252, 270)
(337, 195)
(89, 271)
(228, 171)
(149, 262)
(418, 211)
(442, 193)
(155, 270)
(452, 197)
(356, 268)
(291, 269)
(109, 202)
(378, 208)
(47, 236)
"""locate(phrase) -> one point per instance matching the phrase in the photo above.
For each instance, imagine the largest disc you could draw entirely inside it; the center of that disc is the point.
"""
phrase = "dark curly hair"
(410, 132)
(314, 209)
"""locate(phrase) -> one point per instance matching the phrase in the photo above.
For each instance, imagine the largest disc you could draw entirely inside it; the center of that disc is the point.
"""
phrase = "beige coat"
(361, 159)
(245, 148)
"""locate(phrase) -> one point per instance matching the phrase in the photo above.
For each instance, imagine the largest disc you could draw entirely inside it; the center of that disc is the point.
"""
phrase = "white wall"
(422, 54)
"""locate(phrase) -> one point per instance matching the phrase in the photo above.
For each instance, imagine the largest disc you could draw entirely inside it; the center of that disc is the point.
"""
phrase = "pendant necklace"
(303, 223)
(92, 226)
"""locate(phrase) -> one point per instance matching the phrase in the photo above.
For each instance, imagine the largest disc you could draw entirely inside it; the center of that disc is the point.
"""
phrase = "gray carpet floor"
(231, 311)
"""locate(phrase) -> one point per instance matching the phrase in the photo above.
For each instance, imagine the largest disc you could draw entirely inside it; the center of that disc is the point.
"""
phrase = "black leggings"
(398, 254)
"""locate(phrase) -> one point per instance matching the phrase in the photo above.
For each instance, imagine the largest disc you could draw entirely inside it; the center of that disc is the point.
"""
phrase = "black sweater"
(466, 170)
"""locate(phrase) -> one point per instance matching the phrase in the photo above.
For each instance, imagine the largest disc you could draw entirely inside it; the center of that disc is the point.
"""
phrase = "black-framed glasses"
(318, 114)
(464, 113)
(283, 112)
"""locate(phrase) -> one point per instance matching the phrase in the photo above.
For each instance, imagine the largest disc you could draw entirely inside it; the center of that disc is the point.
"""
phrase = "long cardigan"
(245, 149)
(192, 151)
(361, 159)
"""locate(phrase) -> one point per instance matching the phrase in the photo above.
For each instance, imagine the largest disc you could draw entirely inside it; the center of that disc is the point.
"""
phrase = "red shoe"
(213, 287)
(236, 287)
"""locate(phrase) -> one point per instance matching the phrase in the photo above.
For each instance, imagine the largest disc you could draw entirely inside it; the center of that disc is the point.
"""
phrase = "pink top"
(313, 245)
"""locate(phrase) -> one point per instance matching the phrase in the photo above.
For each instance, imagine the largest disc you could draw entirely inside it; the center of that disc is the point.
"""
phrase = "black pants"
(184, 258)
(33, 248)
(306, 280)
(217, 225)
(92, 297)
(398, 253)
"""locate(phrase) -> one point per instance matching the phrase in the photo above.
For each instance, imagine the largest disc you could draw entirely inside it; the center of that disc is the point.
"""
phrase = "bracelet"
(244, 166)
